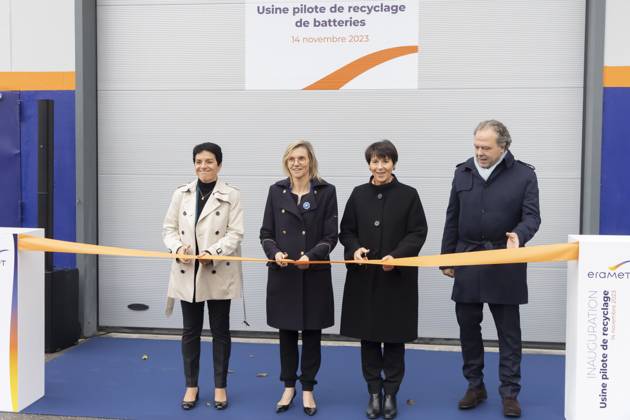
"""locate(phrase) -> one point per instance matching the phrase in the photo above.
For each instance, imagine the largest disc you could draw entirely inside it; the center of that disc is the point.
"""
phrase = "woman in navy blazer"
(300, 223)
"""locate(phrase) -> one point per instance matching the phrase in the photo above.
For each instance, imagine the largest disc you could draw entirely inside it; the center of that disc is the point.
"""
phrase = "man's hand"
(361, 254)
(303, 266)
(280, 257)
(449, 272)
(512, 240)
(184, 253)
(387, 267)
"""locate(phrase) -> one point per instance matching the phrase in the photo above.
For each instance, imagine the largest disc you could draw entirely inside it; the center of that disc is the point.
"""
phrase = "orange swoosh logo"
(337, 79)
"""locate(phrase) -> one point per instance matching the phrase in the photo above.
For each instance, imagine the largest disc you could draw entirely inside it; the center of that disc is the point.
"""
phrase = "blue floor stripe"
(106, 377)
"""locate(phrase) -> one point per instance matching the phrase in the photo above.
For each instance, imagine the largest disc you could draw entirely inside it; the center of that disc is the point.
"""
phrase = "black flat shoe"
(281, 408)
(373, 410)
(220, 405)
(390, 408)
(189, 405)
(310, 411)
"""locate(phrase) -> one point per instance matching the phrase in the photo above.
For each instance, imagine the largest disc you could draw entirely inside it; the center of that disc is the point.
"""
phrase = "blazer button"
(182, 271)
(282, 211)
(284, 191)
(315, 192)
(218, 213)
(377, 223)
(301, 252)
(182, 232)
(216, 233)
(379, 196)
(214, 271)
(284, 232)
(227, 263)
(303, 232)
(184, 213)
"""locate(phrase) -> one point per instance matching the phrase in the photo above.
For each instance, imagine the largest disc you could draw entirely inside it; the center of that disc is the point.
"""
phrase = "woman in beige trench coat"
(205, 218)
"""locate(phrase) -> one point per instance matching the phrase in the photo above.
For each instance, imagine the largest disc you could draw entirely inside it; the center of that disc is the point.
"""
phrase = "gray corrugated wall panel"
(160, 94)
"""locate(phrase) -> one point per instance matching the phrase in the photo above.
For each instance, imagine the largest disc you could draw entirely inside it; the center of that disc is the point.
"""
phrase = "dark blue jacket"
(478, 216)
(300, 299)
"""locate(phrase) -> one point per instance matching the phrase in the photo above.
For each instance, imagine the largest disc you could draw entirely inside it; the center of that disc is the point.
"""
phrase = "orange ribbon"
(539, 253)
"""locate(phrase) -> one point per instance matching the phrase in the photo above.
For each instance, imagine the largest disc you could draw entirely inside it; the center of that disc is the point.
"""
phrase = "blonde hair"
(312, 160)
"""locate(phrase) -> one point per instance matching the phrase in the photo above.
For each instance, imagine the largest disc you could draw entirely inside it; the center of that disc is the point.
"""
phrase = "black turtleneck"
(204, 191)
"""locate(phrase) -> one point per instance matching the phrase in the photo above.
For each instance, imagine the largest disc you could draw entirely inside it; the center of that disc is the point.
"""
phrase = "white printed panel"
(6, 309)
(600, 338)
(292, 45)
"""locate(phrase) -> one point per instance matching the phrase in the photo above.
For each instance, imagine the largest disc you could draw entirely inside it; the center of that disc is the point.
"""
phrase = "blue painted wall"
(65, 177)
(615, 188)
(10, 193)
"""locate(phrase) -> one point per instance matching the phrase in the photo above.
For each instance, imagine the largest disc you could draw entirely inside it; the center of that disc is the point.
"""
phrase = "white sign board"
(330, 45)
(598, 330)
(21, 322)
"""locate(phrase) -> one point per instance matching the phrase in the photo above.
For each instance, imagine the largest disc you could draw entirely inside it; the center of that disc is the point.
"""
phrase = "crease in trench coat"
(479, 214)
(300, 299)
(218, 231)
(388, 220)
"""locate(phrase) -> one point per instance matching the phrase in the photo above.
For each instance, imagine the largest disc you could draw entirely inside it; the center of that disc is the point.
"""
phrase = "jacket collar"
(221, 192)
(287, 202)
(315, 183)
(508, 161)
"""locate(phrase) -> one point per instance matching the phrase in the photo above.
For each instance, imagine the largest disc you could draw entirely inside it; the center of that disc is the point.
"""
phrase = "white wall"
(36, 35)
(617, 50)
(171, 76)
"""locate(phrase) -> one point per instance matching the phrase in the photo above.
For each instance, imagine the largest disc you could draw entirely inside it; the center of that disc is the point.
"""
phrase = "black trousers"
(388, 358)
(311, 357)
(508, 323)
(219, 315)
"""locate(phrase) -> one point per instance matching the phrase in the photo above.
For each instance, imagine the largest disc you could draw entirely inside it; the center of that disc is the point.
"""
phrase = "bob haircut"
(381, 149)
(312, 160)
(213, 148)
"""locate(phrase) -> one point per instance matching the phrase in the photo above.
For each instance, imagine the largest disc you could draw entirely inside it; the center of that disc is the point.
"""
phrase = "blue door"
(10, 159)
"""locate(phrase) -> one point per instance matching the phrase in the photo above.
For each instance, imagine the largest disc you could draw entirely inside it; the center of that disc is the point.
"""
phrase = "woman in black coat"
(300, 223)
(383, 219)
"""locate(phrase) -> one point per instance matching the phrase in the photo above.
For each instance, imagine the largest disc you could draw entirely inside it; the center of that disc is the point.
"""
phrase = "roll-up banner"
(598, 330)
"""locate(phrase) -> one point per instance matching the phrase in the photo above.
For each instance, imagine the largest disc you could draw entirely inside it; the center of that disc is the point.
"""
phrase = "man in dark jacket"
(493, 204)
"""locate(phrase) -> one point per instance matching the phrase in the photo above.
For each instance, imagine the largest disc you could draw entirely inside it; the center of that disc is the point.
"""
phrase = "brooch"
(306, 205)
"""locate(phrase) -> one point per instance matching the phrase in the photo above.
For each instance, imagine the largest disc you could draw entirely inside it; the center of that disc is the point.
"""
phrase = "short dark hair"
(213, 148)
(381, 149)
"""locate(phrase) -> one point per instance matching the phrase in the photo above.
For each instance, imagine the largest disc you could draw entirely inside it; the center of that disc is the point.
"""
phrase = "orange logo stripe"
(616, 76)
(37, 80)
(339, 78)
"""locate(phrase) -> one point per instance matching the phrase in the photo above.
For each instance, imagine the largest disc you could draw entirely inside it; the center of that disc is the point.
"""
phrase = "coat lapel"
(219, 195)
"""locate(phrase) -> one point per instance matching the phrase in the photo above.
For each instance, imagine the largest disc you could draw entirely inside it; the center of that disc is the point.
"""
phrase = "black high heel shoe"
(309, 411)
(220, 405)
(281, 408)
(189, 405)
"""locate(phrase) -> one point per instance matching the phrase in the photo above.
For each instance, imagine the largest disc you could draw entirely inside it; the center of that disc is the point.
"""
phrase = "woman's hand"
(205, 262)
(280, 257)
(387, 267)
(303, 266)
(448, 272)
(183, 251)
(361, 254)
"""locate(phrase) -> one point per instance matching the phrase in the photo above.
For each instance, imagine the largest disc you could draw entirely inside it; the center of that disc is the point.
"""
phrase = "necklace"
(204, 196)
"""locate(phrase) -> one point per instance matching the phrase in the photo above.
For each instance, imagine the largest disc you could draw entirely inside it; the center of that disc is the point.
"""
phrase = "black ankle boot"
(373, 410)
(390, 408)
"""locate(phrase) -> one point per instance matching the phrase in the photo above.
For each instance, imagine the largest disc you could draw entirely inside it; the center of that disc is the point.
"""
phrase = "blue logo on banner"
(306, 205)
